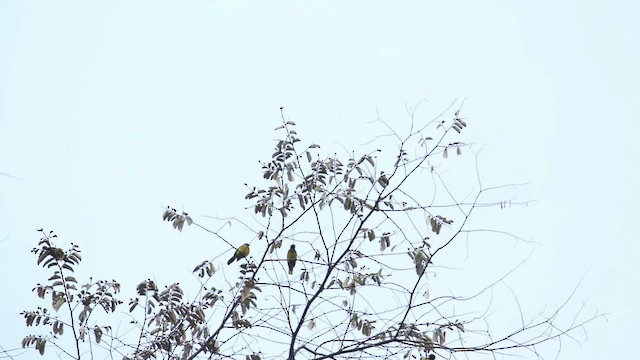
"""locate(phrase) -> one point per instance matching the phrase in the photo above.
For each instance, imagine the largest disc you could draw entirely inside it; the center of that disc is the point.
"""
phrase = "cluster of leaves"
(62, 290)
(177, 219)
(437, 221)
(171, 325)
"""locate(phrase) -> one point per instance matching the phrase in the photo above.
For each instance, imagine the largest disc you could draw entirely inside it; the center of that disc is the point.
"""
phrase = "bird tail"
(231, 260)
(290, 271)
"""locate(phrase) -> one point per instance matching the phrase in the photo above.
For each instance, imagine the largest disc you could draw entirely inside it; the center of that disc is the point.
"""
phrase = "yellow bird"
(242, 252)
(292, 256)
(57, 253)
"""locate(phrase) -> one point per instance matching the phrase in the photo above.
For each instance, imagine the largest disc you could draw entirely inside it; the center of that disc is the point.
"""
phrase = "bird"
(57, 253)
(241, 252)
(292, 256)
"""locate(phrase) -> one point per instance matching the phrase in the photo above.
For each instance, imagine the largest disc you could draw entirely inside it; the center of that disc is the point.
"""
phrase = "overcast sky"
(111, 110)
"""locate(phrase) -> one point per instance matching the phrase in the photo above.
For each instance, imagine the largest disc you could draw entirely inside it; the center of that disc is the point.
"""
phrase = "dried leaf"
(371, 160)
(57, 304)
(40, 343)
(311, 324)
(97, 332)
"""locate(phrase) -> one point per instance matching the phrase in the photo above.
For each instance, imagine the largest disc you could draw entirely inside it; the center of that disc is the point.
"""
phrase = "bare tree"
(370, 234)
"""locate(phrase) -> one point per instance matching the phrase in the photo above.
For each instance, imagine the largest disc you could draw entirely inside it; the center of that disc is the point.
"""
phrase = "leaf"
(439, 335)
(172, 316)
(68, 267)
(199, 266)
(29, 319)
(186, 351)
(58, 303)
(178, 224)
(83, 315)
(311, 324)
(97, 332)
(42, 256)
(40, 345)
(383, 181)
(371, 160)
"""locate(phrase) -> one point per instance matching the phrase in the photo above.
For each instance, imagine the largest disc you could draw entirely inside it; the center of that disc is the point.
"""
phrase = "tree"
(370, 232)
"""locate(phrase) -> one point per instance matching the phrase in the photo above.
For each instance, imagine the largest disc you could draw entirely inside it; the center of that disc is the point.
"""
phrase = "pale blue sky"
(110, 111)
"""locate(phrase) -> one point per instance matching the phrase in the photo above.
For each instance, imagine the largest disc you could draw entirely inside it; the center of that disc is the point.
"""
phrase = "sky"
(109, 111)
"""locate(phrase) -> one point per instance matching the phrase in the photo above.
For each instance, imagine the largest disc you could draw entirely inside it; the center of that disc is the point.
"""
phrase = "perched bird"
(242, 252)
(57, 253)
(292, 256)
